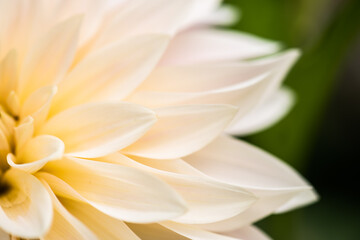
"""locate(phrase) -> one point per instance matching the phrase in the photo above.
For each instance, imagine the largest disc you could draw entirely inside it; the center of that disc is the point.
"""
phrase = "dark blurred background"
(320, 135)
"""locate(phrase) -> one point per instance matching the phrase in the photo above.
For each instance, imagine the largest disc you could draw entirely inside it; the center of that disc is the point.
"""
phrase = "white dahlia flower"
(114, 119)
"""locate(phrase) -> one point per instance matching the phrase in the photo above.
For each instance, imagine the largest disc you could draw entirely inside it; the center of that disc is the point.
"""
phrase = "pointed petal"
(154, 231)
(236, 84)
(182, 130)
(36, 153)
(194, 232)
(207, 200)
(118, 191)
(48, 61)
(8, 75)
(235, 162)
(104, 226)
(209, 45)
(25, 209)
(65, 225)
(37, 105)
(24, 132)
(19, 22)
(248, 233)
(97, 129)
(144, 17)
(265, 115)
(110, 73)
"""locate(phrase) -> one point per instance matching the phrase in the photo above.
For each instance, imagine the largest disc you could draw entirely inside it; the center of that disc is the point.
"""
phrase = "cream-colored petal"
(155, 231)
(37, 105)
(207, 200)
(144, 17)
(265, 115)
(96, 129)
(118, 191)
(224, 15)
(234, 84)
(110, 73)
(194, 233)
(104, 226)
(209, 45)
(272, 181)
(4, 235)
(49, 59)
(8, 75)
(25, 208)
(36, 153)
(19, 22)
(248, 233)
(199, 11)
(182, 130)
(24, 132)
(4, 149)
(65, 225)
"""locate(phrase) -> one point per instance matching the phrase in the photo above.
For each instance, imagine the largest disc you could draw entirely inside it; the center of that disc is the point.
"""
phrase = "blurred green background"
(320, 136)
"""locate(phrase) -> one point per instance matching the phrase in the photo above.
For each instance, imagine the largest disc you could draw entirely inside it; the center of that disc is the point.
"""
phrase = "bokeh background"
(320, 136)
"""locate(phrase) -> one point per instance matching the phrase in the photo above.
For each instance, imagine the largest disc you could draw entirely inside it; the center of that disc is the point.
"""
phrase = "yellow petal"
(196, 126)
(24, 132)
(110, 73)
(25, 208)
(38, 104)
(48, 61)
(104, 226)
(96, 129)
(155, 231)
(118, 191)
(36, 153)
(65, 225)
(8, 75)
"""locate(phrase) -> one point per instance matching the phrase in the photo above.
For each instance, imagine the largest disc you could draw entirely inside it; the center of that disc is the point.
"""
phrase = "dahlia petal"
(209, 45)
(96, 129)
(19, 22)
(37, 105)
(265, 115)
(4, 149)
(194, 232)
(154, 231)
(25, 210)
(24, 132)
(65, 225)
(199, 11)
(39, 69)
(36, 153)
(145, 17)
(207, 84)
(207, 200)
(110, 73)
(196, 126)
(104, 226)
(224, 15)
(118, 191)
(248, 233)
(273, 182)
(8, 75)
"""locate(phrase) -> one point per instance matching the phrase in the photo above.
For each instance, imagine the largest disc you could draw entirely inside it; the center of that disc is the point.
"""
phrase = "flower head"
(114, 118)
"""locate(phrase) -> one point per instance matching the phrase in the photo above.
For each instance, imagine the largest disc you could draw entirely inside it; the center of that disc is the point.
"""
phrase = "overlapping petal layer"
(112, 115)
